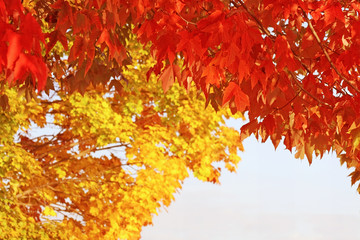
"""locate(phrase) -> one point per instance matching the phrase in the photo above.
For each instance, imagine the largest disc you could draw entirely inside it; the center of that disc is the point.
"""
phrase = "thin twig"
(187, 21)
(111, 147)
(327, 55)
(262, 28)
(63, 146)
(310, 72)
(306, 91)
(291, 100)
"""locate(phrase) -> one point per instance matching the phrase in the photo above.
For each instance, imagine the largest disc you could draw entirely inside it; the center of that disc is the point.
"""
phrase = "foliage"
(290, 66)
(100, 165)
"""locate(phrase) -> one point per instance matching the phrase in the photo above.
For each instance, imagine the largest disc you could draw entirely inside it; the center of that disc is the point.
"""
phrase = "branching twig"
(63, 146)
(310, 72)
(306, 91)
(327, 55)
(290, 101)
(262, 28)
(111, 147)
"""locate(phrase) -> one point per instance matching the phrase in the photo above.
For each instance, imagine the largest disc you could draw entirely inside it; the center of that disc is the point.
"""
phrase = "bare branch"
(111, 147)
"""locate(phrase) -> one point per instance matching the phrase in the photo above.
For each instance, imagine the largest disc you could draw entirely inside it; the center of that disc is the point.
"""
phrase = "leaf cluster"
(101, 164)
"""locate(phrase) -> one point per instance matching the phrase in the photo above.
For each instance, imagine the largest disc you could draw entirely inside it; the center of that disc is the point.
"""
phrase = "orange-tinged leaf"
(240, 98)
(14, 48)
(89, 58)
(167, 78)
(229, 92)
(77, 48)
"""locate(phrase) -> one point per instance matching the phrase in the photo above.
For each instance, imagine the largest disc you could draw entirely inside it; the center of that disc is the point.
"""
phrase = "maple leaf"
(167, 78)
(240, 98)
(112, 161)
(291, 66)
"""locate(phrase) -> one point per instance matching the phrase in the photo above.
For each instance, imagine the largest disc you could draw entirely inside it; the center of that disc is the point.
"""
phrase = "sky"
(272, 196)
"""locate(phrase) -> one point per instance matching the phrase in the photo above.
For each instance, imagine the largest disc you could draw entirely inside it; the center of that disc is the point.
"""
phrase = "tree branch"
(265, 31)
(291, 100)
(327, 55)
(306, 91)
(262, 28)
(188, 22)
(111, 147)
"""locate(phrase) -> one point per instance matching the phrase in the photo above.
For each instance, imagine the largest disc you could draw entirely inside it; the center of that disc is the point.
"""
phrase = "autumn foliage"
(101, 164)
(290, 66)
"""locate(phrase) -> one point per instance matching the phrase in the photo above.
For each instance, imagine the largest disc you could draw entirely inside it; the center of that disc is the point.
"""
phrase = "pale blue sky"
(273, 196)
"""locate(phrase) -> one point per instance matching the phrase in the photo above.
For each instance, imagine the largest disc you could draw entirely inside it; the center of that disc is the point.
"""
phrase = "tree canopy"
(290, 67)
(100, 165)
